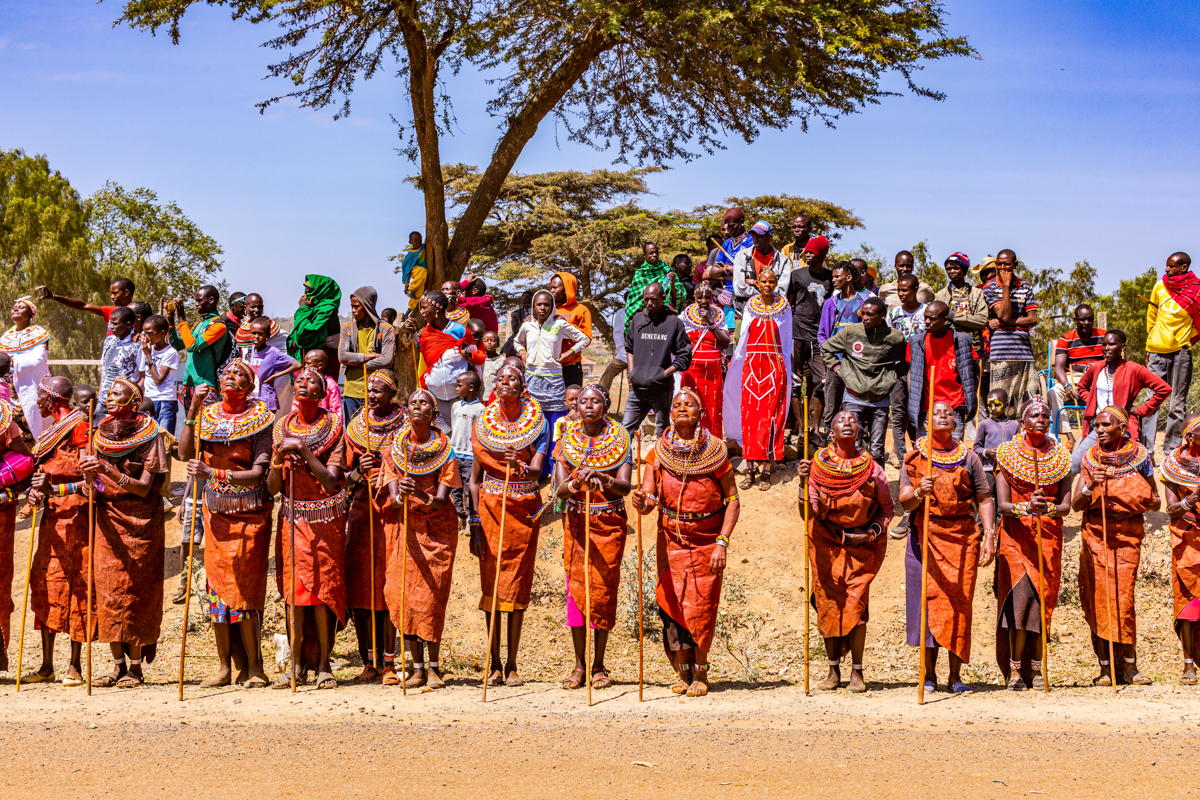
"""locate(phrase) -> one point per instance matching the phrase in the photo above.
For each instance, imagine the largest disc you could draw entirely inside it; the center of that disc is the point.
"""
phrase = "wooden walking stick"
(1108, 559)
(925, 539)
(496, 585)
(375, 657)
(91, 544)
(187, 598)
(587, 588)
(641, 615)
(25, 597)
(807, 512)
(291, 470)
(404, 579)
(1041, 581)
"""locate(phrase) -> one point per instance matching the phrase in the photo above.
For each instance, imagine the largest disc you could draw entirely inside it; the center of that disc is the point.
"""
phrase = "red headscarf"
(1185, 290)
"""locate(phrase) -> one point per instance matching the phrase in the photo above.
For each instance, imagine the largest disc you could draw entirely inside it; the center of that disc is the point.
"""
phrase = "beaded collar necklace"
(15, 341)
(318, 436)
(1130, 456)
(52, 436)
(944, 459)
(604, 452)
(423, 458)
(1181, 468)
(698, 456)
(145, 432)
(217, 425)
(367, 431)
(761, 309)
(496, 433)
(1016, 456)
(835, 475)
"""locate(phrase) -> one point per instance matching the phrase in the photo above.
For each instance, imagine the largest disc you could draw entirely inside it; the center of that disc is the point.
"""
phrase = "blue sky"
(1075, 136)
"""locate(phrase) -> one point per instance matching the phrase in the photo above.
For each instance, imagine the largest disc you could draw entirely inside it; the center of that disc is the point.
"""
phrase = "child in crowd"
(993, 432)
(455, 312)
(571, 399)
(268, 362)
(6, 389)
(389, 316)
(463, 414)
(319, 360)
(492, 363)
(475, 326)
(82, 395)
(119, 359)
(157, 364)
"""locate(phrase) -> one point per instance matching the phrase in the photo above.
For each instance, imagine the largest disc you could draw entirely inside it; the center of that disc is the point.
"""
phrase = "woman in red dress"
(310, 441)
(705, 326)
(759, 382)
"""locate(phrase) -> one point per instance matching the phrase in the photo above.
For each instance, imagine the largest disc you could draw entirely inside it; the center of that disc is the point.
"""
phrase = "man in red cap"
(811, 285)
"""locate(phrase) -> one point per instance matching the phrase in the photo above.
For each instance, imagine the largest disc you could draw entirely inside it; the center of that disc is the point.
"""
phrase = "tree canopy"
(651, 81)
(593, 225)
(50, 235)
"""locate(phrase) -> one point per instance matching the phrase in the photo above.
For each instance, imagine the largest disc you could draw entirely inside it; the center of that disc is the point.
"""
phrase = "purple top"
(838, 312)
(265, 363)
(991, 434)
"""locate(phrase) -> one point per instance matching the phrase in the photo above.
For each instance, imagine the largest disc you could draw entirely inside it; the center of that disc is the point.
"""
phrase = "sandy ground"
(757, 730)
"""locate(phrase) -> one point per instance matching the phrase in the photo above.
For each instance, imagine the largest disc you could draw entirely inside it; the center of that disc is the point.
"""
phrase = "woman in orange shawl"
(235, 437)
(690, 480)
(1181, 482)
(509, 443)
(851, 509)
(1026, 493)
(592, 469)
(1119, 474)
(957, 489)
(58, 593)
(131, 463)
(309, 442)
(421, 470)
(705, 326)
(368, 434)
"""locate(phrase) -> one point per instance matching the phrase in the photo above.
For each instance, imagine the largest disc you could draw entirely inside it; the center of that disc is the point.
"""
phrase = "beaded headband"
(598, 388)
(28, 301)
(45, 387)
(1037, 402)
(428, 394)
(1191, 427)
(384, 379)
(241, 364)
(511, 368)
(135, 397)
(1117, 412)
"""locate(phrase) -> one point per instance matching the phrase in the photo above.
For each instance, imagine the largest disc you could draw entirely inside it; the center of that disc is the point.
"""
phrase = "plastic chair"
(1054, 423)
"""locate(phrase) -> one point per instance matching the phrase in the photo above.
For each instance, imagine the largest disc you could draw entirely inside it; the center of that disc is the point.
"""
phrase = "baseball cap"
(762, 227)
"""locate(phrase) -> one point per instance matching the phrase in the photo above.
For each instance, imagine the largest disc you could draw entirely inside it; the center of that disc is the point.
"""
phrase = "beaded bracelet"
(122, 479)
(473, 519)
(723, 541)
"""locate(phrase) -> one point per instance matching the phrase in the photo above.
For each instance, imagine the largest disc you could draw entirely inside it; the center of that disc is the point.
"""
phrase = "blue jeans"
(872, 426)
(350, 407)
(164, 413)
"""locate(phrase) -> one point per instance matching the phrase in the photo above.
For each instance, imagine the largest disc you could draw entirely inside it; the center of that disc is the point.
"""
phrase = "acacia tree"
(153, 243)
(652, 80)
(591, 224)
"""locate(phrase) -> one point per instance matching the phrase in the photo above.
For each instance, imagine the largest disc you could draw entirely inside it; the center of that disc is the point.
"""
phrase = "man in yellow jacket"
(1171, 329)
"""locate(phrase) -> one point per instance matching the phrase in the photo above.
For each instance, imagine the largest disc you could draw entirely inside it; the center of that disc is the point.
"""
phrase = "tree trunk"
(521, 128)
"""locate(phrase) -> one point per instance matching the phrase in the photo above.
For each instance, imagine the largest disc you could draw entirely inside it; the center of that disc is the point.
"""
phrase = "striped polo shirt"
(1081, 353)
(1008, 342)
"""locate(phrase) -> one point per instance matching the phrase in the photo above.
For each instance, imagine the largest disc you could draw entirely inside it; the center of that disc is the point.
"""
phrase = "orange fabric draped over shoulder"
(953, 553)
(1127, 497)
(237, 543)
(58, 594)
(131, 551)
(520, 529)
(432, 542)
(687, 592)
(842, 575)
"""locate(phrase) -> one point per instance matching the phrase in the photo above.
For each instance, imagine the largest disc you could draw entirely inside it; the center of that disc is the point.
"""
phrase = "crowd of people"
(300, 444)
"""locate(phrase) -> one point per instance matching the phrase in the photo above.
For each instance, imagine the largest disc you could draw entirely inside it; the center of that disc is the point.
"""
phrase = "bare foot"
(857, 684)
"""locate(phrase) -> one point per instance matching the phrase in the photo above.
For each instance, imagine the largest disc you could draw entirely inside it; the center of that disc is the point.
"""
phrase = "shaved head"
(734, 215)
